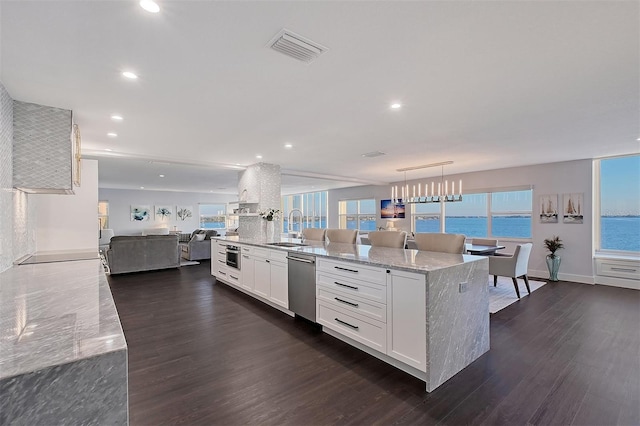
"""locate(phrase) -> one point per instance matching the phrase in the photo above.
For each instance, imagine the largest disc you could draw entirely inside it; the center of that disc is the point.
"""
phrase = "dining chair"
(484, 242)
(348, 236)
(315, 234)
(444, 243)
(512, 266)
(393, 239)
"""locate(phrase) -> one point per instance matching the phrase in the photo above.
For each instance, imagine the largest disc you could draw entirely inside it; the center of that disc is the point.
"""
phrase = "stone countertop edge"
(399, 259)
(56, 313)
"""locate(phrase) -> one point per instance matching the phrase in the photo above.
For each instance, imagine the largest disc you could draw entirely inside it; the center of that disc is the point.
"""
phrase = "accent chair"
(512, 266)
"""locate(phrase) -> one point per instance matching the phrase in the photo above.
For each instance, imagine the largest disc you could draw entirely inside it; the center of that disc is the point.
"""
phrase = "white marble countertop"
(55, 313)
(409, 260)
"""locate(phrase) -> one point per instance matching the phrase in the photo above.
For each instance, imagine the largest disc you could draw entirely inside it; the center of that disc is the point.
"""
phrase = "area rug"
(504, 294)
(188, 262)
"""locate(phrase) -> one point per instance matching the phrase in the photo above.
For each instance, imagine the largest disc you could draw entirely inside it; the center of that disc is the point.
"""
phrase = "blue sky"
(620, 184)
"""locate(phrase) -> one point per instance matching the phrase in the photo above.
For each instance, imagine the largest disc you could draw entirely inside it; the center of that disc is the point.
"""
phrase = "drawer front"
(234, 276)
(618, 269)
(368, 308)
(220, 271)
(354, 288)
(368, 332)
(354, 271)
(256, 251)
(278, 255)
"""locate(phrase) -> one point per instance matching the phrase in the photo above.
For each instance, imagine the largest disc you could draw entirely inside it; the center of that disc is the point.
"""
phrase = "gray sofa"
(198, 250)
(143, 253)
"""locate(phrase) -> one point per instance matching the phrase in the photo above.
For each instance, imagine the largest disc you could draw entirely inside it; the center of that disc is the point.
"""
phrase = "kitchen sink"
(285, 244)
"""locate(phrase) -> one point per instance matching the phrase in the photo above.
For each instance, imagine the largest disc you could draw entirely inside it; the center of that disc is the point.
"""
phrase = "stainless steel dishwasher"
(302, 285)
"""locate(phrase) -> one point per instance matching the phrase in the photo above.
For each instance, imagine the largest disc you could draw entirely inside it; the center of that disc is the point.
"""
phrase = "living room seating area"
(142, 253)
(197, 245)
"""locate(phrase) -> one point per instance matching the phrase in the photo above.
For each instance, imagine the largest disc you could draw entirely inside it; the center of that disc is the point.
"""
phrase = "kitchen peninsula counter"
(426, 313)
(63, 355)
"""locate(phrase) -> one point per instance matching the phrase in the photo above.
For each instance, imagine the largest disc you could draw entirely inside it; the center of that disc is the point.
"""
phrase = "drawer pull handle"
(623, 269)
(345, 285)
(355, 305)
(355, 327)
(222, 252)
(223, 273)
(245, 256)
(222, 261)
(267, 260)
(346, 269)
(235, 278)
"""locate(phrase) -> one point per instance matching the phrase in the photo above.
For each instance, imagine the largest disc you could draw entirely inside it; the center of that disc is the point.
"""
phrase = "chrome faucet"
(290, 223)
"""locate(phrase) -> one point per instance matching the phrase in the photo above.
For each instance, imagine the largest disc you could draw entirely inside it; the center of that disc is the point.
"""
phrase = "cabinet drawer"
(618, 268)
(234, 276)
(368, 308)
(370, 333)
(353, 271)
(278, 255)
(256, 251)
(354, 288)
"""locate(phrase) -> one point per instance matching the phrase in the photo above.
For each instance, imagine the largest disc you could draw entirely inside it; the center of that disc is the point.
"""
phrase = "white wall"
(121, 200)
(69, 222)
(551, 178)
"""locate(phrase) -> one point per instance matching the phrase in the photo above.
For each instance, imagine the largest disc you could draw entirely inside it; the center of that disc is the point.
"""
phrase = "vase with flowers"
(269, 216)
(553, 260)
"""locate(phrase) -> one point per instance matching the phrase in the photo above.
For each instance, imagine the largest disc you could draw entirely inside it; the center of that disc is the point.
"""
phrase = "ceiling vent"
(294, 45)
(373, 154)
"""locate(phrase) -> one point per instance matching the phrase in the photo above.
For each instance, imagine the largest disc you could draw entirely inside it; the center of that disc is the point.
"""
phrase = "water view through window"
(620, 203)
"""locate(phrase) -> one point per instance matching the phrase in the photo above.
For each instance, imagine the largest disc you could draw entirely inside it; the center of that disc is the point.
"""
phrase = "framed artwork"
(572, 206)
(549, 208)
(163, 213)
(389, 210)
(140, 213)
(184, 212)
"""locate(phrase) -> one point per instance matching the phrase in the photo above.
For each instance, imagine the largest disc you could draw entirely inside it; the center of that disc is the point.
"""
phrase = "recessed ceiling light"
(129, 75)
(161, 175)
(258, 156)
(108, 149)
(112, 135)
(116, 117)
(396, 105)
(142, 187)
(638, 139)
(288, 146)
(237, 164)
(150, 6)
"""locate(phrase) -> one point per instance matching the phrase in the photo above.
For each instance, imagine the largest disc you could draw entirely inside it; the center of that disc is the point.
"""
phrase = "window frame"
(343, 215)
(224, 215)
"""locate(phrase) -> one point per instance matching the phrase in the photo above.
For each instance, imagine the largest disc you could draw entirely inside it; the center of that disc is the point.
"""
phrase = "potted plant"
(553, 260)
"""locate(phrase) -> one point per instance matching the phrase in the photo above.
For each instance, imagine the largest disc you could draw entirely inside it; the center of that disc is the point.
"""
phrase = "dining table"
(482, 250)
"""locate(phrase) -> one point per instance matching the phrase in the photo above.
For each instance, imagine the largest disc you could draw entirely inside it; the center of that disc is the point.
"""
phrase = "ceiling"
(488, 84)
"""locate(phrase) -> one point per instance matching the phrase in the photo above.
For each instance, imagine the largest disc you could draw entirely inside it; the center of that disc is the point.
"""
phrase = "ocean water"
(618, 232)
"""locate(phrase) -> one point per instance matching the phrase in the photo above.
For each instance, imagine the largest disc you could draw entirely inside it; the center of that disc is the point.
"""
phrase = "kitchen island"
(426, 313)
(63, 355)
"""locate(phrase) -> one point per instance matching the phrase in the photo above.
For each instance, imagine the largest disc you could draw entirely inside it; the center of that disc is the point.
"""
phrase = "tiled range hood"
(42, 149)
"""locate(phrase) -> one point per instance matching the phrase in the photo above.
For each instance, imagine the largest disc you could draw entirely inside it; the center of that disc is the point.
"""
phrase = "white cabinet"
(263, 272)
(351, 300)
(407, 324)
(279, 280)
(262, 277)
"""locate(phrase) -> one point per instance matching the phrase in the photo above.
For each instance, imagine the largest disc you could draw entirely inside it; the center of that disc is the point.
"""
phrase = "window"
(468, 217)
(103, 214)
(426, 217)
(619, 204)
(357, 214)
(503, 214)
(313, 206)
(213, 216)
(511, 214)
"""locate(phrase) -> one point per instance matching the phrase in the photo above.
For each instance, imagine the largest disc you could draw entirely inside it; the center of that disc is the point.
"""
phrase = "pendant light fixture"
(434, 192)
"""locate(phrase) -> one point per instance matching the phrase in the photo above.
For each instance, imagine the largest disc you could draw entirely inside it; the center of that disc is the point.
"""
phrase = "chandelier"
(434, 193)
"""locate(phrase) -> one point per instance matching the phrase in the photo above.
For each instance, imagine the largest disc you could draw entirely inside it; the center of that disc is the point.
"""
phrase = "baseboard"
(583, 279)
(617, 282)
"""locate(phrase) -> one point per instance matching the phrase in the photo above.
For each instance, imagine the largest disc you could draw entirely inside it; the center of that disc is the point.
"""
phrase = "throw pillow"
(200, 237)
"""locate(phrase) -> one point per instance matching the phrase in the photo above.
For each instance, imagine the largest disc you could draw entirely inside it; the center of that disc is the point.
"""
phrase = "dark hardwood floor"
(201, 352)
